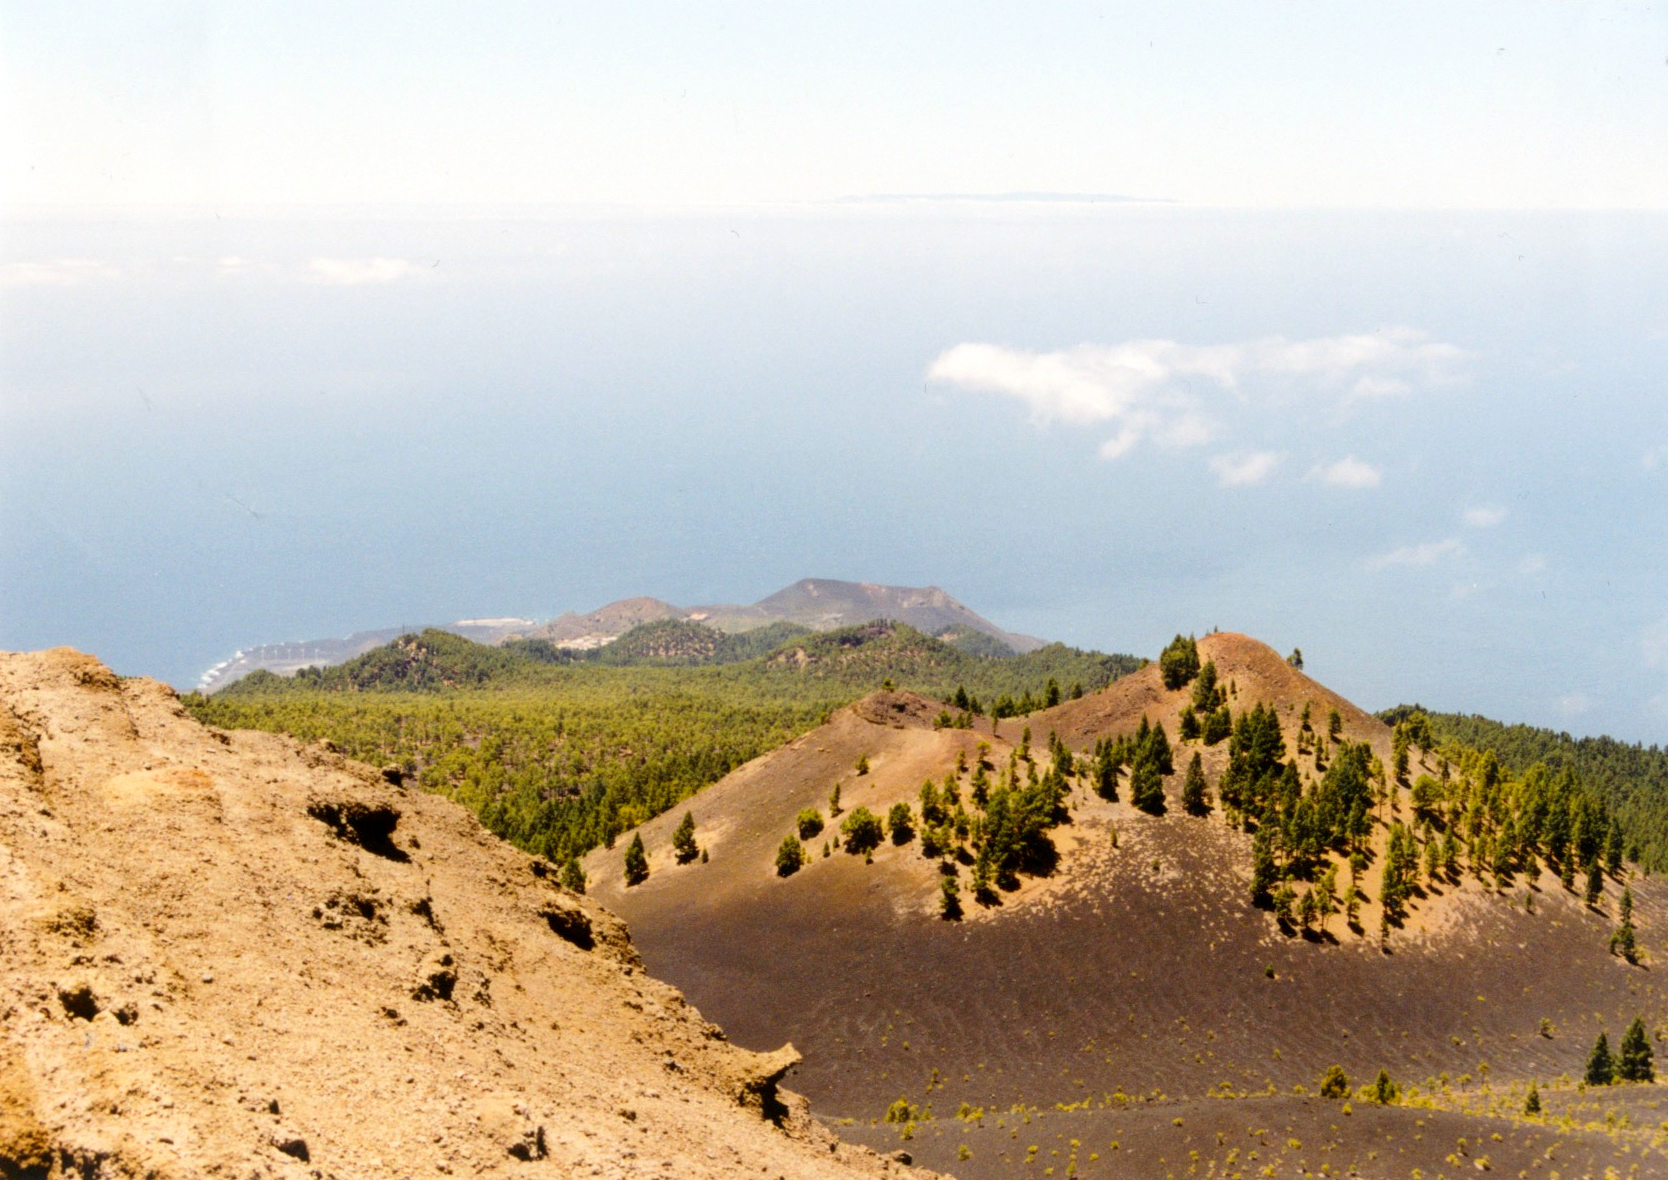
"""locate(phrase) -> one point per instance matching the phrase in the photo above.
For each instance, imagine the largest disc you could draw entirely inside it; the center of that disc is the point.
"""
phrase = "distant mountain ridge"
(820, 604)
(286, 659)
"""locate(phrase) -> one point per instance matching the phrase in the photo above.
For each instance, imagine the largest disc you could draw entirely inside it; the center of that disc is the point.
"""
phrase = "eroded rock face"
(230, 955)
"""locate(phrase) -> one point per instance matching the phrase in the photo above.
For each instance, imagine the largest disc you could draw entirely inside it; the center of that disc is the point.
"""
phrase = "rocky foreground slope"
(224, 954)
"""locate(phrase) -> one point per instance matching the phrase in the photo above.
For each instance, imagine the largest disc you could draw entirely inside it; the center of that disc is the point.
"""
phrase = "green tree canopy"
(1195, 791)
(900, 822)
(1385, 1091)
(1179, 661)
(862, 830)
(683, 839)
(790, 856)
(1601, 1067)
(636, 861)
(1633, 1063)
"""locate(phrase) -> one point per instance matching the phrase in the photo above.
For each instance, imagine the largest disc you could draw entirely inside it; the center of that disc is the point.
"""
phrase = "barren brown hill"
(1135, 974)
(1255, 673)
(222, 954)
(825, 604)
(604, 623)
(821, 604)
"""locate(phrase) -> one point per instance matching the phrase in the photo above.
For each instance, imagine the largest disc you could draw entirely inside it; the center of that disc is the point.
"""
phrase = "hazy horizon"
(1338, 326)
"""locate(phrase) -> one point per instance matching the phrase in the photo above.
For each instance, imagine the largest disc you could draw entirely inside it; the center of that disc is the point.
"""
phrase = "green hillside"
(560, 751)
(1631, 780)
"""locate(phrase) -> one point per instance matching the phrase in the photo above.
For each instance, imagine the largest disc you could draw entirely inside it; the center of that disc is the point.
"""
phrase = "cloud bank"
(1348, 472)
(61, 272)
(1484, 518)
(1428, 553)
(353, 272)
(1164, 391)
(1242, 470)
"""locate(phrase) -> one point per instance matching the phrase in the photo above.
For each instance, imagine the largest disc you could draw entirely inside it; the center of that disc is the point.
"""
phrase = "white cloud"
(1160, 389)
(1484, 518)
(1120, 444)
(63, 272)
(1574, 703)
(231, 266)
(1240, 470)
(351, 272)
(1348, 472)
(1371, 386)
(1653, 645)
(1428, 553)
(1189, 430)
(1534, 563)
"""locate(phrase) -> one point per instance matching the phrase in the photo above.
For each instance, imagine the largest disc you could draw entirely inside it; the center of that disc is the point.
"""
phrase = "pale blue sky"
(316, 318)
(1291, 104)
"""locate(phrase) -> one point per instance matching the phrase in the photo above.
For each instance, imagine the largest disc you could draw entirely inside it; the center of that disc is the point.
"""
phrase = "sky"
(1342, 325)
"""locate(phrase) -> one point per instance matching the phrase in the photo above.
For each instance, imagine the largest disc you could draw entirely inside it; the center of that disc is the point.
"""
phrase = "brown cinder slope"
(1137, 967)
(222, 954)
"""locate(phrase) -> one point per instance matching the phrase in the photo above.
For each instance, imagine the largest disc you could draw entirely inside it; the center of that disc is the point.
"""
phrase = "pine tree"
(900, 822)
(863, 832)
(1217, 726)
(790, 856)
(1283, 898)
(1146, 786)
(1385, 1091)
(636, 861)
(1179, 662)
(834, 801)
(1633, 1063)
(1595, 882)
(1625, 940)
(573, 875)
(1532, 1104)
(683, 839)
(1334, 1083)
(1263, 871)
(1308, 910)
(949, 899)
(1106, 771)
(1158, 743)
(1195, 791)
(1326, 895)
(1601, 1067)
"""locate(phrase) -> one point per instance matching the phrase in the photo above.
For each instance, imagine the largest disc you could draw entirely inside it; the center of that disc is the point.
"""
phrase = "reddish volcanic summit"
(1256, 673)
